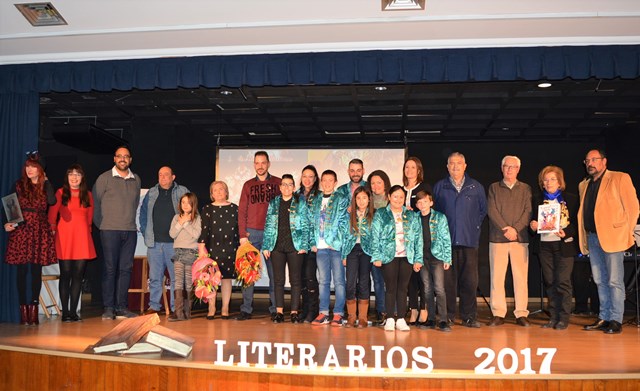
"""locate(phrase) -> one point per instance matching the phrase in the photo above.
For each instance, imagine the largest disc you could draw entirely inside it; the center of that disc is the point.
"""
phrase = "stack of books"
(144, 335)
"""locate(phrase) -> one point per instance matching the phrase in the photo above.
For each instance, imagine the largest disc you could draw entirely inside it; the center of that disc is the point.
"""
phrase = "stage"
(231, 354)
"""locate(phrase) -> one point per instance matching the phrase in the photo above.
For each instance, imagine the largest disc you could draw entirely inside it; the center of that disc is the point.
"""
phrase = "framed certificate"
(549, 218)
(12, 208)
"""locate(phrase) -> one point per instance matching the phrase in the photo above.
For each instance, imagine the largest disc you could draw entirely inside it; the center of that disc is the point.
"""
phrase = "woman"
(356, 256)
(379, 183)
(308, 191)
(286, 240)
(557, 249)
(31, 243)
(397, 235)
(71, 218)
(219, 239)
(412, 178)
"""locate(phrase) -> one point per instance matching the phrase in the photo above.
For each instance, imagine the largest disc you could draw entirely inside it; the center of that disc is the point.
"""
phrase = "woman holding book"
(556, 249)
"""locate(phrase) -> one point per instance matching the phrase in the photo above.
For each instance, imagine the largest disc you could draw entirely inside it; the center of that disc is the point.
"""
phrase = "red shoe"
(33, 314)
(24, 315)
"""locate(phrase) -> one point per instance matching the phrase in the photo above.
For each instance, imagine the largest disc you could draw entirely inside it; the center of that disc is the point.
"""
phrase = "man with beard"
(252, 213)
(116, 194)
(607, 217)
(356, 173)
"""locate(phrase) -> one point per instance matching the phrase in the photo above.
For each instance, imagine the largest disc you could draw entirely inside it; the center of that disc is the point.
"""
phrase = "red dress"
(31, 241)
(73, 228)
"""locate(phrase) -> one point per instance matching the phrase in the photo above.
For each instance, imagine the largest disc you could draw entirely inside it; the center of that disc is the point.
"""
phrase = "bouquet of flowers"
(206, 277)
(247, 264)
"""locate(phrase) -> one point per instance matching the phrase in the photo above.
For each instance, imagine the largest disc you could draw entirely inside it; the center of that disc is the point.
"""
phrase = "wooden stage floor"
(506, 353)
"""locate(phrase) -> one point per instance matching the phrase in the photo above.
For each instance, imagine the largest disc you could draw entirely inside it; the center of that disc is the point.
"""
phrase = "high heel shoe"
(24, 315)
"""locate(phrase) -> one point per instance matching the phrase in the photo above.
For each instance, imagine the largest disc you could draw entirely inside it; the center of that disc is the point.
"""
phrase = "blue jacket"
(440, 237)
(146, 210)
(336, 218)
(298, 223)
(345, 190)
(465, 211)
(349, 238)
(383, 230)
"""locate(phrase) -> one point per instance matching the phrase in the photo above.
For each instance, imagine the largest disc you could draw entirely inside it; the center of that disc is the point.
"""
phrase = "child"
(437, 259)
(185, 230)
(356, 256)
(328, 214)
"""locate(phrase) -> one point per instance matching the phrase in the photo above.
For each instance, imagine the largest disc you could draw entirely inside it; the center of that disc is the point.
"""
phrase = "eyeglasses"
(510, 167)
(592, 160)
(550, 180)
(123, 156)
(286, 184)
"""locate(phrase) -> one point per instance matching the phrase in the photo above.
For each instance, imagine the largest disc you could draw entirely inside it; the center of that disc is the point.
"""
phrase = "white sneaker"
(390, 325)
(401, 325)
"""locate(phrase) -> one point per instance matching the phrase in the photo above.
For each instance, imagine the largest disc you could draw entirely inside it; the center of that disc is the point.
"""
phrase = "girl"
(31, 244)
(309, 189)
(286, 240)
(397, 236)
(356, 256)
(71, 218)
(185, 230)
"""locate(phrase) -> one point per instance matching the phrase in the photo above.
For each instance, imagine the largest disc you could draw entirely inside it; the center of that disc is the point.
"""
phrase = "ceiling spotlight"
(226, 92)
(380, 88)
(545, 85)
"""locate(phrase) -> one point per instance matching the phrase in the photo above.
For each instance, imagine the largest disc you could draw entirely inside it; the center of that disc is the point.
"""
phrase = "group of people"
(418, 244)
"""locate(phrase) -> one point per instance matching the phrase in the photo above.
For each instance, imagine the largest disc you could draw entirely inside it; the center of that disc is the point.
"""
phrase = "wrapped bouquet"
(247, 264)
(206, 278)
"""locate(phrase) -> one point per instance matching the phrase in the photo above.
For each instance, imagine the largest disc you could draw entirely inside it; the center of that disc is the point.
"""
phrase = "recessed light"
(545, 85)
(380, 88)
(226, 92)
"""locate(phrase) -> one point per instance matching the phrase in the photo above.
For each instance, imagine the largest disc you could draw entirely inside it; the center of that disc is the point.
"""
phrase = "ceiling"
(354, 114)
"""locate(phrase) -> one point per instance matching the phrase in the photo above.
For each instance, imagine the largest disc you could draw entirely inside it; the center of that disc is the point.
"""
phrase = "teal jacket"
(336, 220)
(349, 238)
(440, 237)
(298, 222)
(345, 190)
(383, 230)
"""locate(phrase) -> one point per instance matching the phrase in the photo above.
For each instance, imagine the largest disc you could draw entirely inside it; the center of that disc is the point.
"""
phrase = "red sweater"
(254, 201)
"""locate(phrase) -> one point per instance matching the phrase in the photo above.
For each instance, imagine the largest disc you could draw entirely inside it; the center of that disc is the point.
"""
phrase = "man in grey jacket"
(116, 194)
(158, 207)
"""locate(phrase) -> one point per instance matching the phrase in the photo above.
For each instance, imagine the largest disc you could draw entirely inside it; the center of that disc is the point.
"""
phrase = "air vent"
(41, 14)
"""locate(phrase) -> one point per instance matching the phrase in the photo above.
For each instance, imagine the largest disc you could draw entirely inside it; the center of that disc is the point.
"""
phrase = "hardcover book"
(126, 334)
(170, 340)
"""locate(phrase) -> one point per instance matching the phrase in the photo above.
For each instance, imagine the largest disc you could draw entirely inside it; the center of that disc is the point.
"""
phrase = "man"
(463, 201)
(356, 173)
(252, 213)
(509, 209)
(116, 194)
(607, 217)
(158, 207)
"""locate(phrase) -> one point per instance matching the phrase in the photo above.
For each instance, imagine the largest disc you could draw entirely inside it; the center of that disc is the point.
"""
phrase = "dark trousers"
(36, 282)
(584, 289)
(432, 276)
(309, 284)
(358, 270)
(556, 271)
(71, 273)
(279, 261)
(416, 292)
(118, 248)
(462, 279)
(396, 281)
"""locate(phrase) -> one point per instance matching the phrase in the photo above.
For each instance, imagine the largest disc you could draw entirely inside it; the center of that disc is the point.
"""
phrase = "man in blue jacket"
(462, 199)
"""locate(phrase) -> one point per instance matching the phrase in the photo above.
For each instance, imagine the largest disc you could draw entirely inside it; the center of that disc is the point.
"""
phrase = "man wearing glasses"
(116, 194)
(606, 219)
(509, 210)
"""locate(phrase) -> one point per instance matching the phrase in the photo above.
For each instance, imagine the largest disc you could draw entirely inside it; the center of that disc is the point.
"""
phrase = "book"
(549, 218)
(126, 334)
(170, 340)
(142, 347)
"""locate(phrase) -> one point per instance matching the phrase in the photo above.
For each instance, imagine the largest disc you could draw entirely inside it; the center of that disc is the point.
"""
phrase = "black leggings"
(36, 282)
(279, 261)
(396, 281)
(71, 273)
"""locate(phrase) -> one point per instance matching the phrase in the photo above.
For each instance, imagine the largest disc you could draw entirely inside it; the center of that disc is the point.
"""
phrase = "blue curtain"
(18, 134)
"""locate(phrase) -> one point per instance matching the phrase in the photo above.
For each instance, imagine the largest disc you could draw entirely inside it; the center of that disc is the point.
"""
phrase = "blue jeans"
(255, 237)
(330, 265)
(378, 288)
(118, 249)
(432, 275)
(608, 274)
(159, 258)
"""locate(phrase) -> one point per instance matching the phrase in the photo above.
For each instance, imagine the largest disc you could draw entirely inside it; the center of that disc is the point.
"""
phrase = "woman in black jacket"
(557, 250)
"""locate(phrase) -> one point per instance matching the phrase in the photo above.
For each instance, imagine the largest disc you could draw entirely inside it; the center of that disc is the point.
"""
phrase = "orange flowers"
(248, 264)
